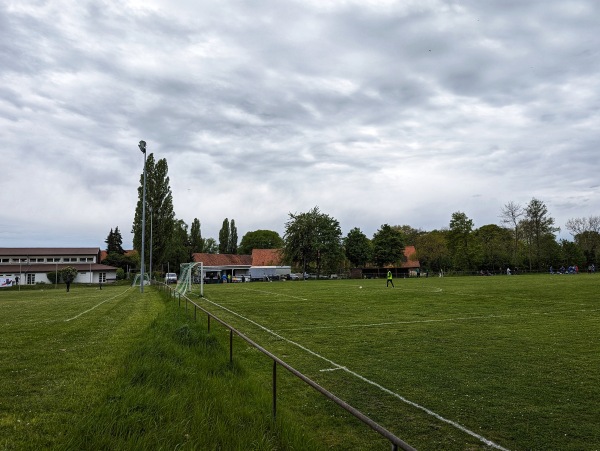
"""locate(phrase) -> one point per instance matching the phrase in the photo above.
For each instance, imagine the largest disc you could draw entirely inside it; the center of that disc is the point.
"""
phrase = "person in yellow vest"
(389, 279)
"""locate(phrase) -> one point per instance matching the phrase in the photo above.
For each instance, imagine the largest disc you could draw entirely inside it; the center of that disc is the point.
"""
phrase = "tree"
(233, 238)
(511, 214)
(358, 247)
(224, 237)
(410, 234)
(68, 274)
(196, 241)
(159, 212)
(586, 233)
(179, 248)
(494, 243)
(260, 239)
(388, 246)
(539, 225)
(460, 241)
(313, 239)
(432, 250)
(114, 242)
(211, 246)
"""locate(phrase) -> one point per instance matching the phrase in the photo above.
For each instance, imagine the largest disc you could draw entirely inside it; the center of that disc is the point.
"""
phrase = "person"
(68, 282)
(389, 279)
(17, 280)
(508, 271)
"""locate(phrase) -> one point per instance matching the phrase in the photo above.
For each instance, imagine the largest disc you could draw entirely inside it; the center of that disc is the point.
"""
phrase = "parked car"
(170, 277)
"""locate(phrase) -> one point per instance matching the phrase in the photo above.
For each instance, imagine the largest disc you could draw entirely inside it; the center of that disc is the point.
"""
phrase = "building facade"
(30, 266)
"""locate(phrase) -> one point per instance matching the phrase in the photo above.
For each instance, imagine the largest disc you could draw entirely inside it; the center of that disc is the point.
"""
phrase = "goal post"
(193, 273)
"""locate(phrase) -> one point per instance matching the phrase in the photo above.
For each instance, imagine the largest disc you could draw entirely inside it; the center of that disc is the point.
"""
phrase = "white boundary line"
(422, 321)
(98, 305)
(364, 379)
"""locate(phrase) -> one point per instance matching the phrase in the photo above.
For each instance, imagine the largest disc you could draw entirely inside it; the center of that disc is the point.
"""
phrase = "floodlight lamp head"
(142, 146)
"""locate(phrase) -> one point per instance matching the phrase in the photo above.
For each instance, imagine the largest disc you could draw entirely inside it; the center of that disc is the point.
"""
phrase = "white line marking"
(276, 294)
(364, 379)
(98, 305)
(326, 370)
(468, 318)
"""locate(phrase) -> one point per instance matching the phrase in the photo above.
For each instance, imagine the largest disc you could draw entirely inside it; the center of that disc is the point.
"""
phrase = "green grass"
(513, 360)
(114, 369)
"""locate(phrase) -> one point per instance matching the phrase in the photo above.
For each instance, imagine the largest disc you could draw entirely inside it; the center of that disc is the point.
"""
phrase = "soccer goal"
(192, 277)
(137, 280)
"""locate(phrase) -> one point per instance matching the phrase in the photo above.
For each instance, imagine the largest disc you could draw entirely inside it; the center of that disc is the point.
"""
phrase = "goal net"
(192, 277)
(137, 280)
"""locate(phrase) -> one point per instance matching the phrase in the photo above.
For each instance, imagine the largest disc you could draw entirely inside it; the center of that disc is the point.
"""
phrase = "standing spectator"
(389, 279)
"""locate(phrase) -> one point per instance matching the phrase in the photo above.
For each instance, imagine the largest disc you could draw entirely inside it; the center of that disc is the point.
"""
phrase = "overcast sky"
(376, 111)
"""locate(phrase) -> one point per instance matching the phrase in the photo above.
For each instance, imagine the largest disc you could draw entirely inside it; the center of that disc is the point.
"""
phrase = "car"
(293, 276)
(170, 277)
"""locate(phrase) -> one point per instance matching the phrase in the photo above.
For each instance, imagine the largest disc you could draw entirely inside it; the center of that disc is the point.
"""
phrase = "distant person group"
(573, 269)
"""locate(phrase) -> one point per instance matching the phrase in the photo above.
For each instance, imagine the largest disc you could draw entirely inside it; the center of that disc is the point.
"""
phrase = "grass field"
(444, 363)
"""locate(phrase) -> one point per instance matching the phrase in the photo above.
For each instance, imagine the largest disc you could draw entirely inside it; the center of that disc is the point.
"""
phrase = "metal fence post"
(274, 389)
(230, 345)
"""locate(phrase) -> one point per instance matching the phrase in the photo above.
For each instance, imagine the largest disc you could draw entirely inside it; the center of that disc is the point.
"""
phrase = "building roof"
(52, 251)
(128, 253)
(267, 257)
(410, 253)
(223, 259)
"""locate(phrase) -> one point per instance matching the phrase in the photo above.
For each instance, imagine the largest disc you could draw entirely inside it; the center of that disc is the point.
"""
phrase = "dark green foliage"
(313, 240)
(260, 239)
(224, 237)
(159, 213)
(68, 274)
(196, 241)
(358, 247)
(114, 242)
(388, 246)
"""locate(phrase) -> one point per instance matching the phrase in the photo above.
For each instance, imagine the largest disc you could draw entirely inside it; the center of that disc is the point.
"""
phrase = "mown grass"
(114, 369)
(513, 360)
(509, 360)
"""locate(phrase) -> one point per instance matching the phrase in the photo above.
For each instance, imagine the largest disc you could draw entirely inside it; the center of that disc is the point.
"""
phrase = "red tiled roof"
(128, 253)
(222, 259)
(267, 257)
(410, 253)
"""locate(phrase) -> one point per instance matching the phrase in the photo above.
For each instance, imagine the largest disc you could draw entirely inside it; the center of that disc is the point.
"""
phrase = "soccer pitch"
(444, 363)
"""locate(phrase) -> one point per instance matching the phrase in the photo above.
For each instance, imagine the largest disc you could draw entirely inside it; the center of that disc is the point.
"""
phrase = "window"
(30, 279)
(5, 260)
(102, 277)
(82, 259)
(53, 260)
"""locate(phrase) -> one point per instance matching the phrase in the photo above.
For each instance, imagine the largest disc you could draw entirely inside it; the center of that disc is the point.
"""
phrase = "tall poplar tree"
(196, 241)
(159, 212)
(224, 237)
(233, 238)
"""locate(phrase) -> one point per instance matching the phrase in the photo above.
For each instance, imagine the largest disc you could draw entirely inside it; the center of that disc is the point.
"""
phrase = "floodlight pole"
(142, 146)
(151, 215)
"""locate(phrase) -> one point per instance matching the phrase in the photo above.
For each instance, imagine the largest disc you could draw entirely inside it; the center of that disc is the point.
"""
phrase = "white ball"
(360, 287)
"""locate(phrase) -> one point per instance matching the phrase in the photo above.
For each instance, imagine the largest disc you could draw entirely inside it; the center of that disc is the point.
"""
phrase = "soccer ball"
(360, 287)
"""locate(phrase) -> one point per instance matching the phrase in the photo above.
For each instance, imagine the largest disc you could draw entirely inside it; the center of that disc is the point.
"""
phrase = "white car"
(170, 277)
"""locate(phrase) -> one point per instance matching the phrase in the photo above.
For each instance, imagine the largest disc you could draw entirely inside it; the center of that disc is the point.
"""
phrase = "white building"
(31, 265)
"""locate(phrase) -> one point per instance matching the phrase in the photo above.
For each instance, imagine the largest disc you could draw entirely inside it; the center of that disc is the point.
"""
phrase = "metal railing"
(396, 443)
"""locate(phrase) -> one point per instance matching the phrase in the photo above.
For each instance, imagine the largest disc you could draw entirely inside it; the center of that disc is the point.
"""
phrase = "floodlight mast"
(142, 146)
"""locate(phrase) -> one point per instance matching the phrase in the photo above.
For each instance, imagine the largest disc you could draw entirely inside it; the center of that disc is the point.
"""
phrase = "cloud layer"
(376, 111)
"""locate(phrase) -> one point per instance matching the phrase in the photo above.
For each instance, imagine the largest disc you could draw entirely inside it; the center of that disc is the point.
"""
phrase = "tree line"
(313, 241)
